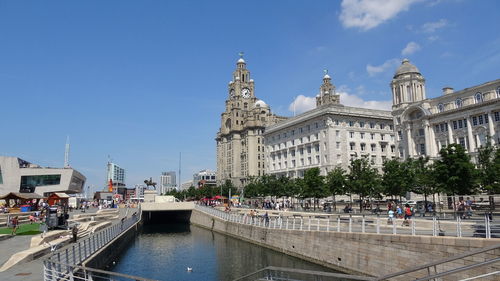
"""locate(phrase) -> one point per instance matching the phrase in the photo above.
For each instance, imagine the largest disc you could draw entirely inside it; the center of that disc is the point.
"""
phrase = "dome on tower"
(260, 103)
(406, 67)
(326, 76)
(241, 60)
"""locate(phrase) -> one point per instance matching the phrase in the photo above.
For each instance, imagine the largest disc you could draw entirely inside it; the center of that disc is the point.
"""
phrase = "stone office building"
(240, 146)
(328, 136)
(423, 126)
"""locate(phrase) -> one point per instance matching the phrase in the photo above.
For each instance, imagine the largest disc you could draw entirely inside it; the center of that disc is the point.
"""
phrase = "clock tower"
(240, 147)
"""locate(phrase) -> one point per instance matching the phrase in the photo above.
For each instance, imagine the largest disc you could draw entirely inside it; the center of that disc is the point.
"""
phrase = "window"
(391, 127)
(292, 152)
(372, 125)
(361, 124)
(308, 128)
(422, 149)
(373, 159)
(486, 118)
(351, 135)
(455, 125)
(293, 164)
(362, 135)
(393, 148)
(374, 147)
(316, 125)
(460, 124)
(28, 183)
(316, 148)
(382, 126)
(465, 123)
(440, 107)
(317, 159)
(478, 97)
(441, 126)
(352, 145)
(363, 147)
(337, 122)
(458, 103)
(372, 136)
(421, 132)
(351, 123)
(497, 114)
(301, 150)
(338, 145)
(480, 119)
(382, 136)
(337, 133)
(309, 149)
(462, 142)
(300, 130)
(400, 135)
(382, 147)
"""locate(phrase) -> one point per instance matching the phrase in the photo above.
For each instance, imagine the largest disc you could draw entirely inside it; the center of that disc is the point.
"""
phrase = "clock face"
(245, 93)
(231, 94)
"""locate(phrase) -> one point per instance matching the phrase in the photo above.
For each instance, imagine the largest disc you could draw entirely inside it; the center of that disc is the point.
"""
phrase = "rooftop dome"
(260, 103)
(326, 76)
(406, 67)
(241, 60)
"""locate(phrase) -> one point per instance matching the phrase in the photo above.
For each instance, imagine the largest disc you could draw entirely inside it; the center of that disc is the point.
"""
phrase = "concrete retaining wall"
(109, 253)
(357, 253)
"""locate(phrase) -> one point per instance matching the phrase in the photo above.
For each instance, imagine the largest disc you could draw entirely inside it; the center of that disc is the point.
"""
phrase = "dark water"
(164, 252)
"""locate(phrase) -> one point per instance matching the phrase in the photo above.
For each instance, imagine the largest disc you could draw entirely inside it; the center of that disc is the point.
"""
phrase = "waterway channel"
(164, 252)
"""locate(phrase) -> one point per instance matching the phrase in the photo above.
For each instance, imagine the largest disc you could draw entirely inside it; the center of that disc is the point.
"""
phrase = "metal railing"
(282, 273)
(82, 273)
(360, 223)
(62, 262)
(438, 269)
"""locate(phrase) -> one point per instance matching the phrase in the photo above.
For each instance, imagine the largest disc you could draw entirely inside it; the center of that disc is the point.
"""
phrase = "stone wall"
(357, 253)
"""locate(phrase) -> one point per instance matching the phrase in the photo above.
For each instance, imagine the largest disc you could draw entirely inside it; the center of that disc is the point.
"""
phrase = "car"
(412, 203)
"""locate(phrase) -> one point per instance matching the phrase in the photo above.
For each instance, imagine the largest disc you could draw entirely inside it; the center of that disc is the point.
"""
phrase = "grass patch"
(24, 229)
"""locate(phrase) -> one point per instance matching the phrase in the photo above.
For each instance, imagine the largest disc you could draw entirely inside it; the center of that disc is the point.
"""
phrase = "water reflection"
(164, 252)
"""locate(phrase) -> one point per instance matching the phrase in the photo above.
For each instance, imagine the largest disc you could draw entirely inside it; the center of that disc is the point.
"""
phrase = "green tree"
(363, 179)
(454, 172)
(489, 168)
(423, 173)
(396, 177)
(336, 183)
(313, 185)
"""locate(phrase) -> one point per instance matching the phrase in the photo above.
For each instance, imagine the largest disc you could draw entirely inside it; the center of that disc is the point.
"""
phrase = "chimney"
(447, 90)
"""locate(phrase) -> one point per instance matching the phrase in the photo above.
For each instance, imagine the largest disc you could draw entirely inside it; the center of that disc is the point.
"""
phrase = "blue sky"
(142, 81)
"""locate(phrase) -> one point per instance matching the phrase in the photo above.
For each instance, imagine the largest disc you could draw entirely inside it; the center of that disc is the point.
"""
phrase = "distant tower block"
(66, 153)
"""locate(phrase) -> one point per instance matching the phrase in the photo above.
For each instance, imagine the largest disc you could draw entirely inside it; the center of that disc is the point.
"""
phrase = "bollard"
(328, 224)
(487, 226)
(434, 229)
(309, 224)
(363, 224)
(317, 228)
(378, 224)
(350, 223)
(338, 223)
(287, 222)
(459, 226)
(394, 227)
(413, 227)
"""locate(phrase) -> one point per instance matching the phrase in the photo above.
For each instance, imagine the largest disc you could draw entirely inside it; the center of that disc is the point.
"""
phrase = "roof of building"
(260, 103)
(406, 67)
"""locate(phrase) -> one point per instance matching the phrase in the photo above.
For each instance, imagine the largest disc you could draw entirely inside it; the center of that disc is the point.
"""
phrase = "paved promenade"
(33, 270)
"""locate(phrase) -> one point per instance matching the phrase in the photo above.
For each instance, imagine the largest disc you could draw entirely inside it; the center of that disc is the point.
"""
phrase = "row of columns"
(432, 148)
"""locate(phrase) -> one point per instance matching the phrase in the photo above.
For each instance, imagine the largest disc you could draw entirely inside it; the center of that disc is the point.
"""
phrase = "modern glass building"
(18, 175)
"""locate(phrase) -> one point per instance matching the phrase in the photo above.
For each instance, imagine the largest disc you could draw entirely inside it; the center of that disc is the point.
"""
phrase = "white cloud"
(387, 65)
(431, 27)
(302, 104)
(367, 14)
(355, 101)
(410, 48)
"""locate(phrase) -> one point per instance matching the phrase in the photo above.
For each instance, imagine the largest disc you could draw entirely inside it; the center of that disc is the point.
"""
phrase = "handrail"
(446, 260)
(309, 272)
(84, 268)
(460, 269)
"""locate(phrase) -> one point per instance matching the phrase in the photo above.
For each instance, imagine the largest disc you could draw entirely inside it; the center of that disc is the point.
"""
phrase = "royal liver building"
(469, 117)
(240, 142)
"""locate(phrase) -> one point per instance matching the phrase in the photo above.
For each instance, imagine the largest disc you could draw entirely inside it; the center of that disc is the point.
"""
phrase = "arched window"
(498, 92)
(458, 103)
(478, 97)
(440, 107)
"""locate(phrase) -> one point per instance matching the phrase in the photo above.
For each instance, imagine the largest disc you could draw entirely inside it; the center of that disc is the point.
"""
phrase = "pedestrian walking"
(74, 231)
(15, 224)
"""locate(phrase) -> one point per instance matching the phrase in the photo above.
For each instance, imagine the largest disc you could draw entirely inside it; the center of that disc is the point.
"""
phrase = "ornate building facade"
(240, 141)
(328, 136)
(469, 117)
